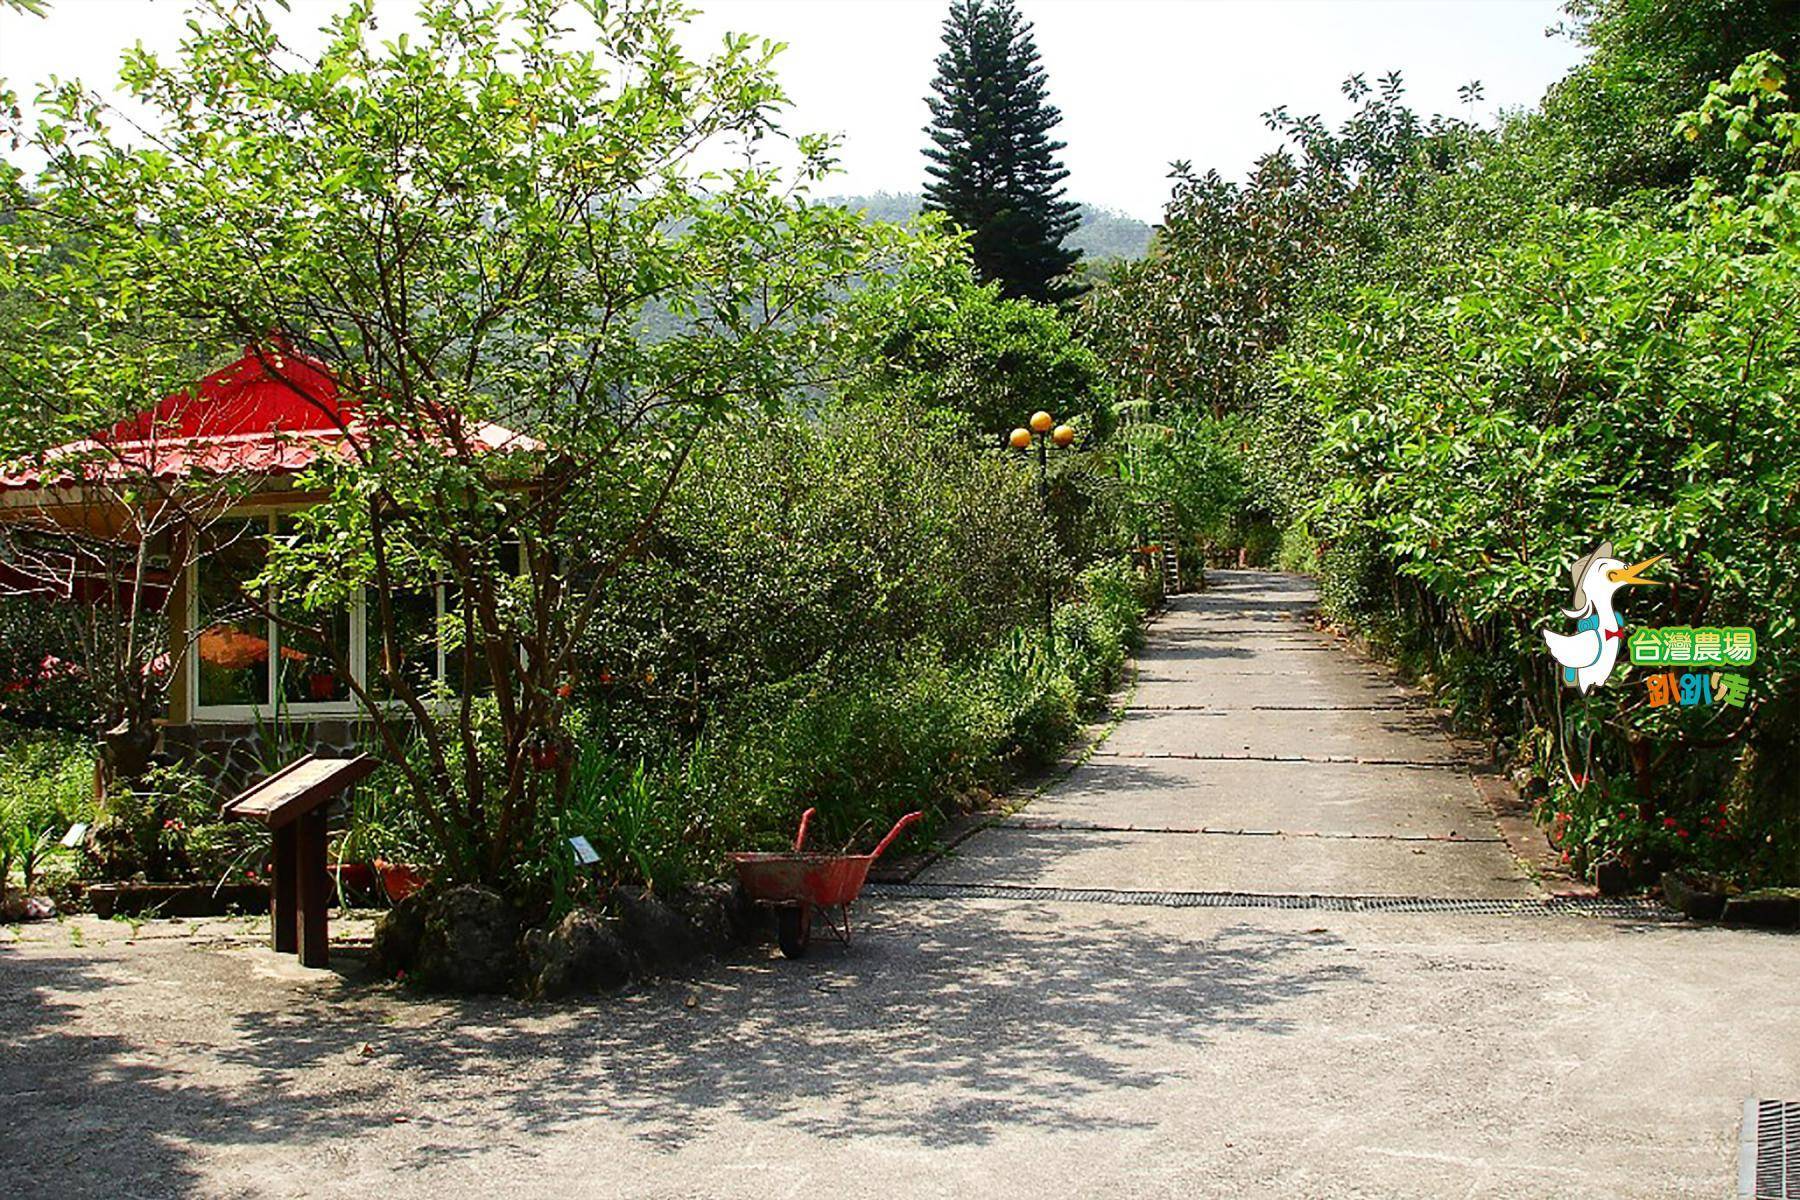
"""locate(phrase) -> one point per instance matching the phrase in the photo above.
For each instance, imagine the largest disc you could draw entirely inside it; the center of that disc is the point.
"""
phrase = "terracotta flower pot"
(355, 876)
(399, 880)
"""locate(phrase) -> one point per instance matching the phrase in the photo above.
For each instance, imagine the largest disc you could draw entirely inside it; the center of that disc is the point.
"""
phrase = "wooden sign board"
(291, 802)
(298, 788)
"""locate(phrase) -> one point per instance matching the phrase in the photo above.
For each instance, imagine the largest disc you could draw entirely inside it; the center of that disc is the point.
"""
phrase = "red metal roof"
(270, 413)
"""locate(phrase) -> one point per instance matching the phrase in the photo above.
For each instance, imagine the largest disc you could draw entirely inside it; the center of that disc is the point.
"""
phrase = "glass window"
(246, 659)
(233, 644)
(412, 653)
(309, 671)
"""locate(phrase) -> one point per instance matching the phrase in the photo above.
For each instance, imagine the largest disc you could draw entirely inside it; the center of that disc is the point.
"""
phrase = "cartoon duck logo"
(1589, 654)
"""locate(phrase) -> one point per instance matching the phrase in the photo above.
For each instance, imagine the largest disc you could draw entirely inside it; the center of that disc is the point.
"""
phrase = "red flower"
(1668, 822)
(1681, 833)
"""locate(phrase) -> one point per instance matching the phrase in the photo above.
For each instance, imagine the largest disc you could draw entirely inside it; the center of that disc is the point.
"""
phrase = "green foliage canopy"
(466, 227)
(994, 167)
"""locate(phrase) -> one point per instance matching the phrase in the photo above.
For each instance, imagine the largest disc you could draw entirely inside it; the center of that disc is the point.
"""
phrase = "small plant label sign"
(584, 851)
(76, 833)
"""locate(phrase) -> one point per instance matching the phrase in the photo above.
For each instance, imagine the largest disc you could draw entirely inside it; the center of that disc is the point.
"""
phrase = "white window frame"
(224, 714)
(350, 707)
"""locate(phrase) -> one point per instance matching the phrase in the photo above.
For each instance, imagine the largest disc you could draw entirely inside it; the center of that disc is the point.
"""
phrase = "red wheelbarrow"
(798, 883)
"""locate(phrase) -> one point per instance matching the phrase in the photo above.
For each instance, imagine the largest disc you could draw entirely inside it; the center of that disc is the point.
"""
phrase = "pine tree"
(994, 168)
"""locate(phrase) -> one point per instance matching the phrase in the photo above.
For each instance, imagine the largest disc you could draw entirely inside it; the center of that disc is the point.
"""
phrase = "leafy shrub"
(1122, 596)
(46, 784)
(1298, 551)
(936, 339)
(1089, 648)
(1040, 701)
(815, 548)
(1605, 374)
(166, 827)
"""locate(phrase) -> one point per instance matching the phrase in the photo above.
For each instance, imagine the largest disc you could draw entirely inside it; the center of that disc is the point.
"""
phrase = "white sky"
(1139, 82)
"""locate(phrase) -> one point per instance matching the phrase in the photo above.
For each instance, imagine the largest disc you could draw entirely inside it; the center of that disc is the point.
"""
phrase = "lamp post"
(1043, 432)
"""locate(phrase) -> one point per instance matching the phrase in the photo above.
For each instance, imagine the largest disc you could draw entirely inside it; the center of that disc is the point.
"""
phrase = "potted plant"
(382, 843)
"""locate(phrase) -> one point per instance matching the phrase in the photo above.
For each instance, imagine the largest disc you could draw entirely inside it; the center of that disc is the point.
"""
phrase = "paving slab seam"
(1032, 825)
(1324, 760)
(1225, 712)
(1547, 906)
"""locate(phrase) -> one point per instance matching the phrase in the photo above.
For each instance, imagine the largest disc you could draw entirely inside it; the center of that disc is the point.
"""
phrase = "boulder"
(659, 935)
(709, 908)
(582, 953)
(1695, 897)
(395, 947)
(470, 941)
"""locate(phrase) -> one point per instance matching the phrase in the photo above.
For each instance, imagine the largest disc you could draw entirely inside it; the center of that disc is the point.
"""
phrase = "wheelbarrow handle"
(805, 821)
(898, 829)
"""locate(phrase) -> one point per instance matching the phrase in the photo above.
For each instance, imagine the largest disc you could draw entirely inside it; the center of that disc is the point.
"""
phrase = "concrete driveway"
(1256, 755)
(961, 1048)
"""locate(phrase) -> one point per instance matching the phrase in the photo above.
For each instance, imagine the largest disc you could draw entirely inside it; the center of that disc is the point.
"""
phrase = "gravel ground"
(968, 1048)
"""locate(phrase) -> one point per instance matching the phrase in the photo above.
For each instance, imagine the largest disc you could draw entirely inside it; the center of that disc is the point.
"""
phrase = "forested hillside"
(1102, 233)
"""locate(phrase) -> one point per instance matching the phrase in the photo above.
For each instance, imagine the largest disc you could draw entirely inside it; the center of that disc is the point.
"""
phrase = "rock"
(581, 953)
(1770, 908)
(659, 935)
(395, 947)
(470, 941)
(1695, 898)
(1612, 877)
(708, 908)
(16, 906)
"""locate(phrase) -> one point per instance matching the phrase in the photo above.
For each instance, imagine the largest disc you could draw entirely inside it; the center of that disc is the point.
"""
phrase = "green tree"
(1456, 437)
(938, 339)
(468, 228)
(1606, 125)
(994, 167)
(1193, 323)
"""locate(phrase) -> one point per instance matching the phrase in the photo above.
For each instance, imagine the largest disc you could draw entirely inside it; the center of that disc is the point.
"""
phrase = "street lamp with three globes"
(1043, 433)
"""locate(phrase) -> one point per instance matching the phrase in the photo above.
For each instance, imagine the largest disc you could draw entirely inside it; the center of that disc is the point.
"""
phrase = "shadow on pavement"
(92, 1113)
(943, 1024)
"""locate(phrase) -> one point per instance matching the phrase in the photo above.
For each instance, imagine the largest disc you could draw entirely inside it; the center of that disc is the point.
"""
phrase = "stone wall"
(237, 753)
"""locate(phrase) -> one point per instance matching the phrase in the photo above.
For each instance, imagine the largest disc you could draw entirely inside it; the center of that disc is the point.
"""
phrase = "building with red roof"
(258, 423)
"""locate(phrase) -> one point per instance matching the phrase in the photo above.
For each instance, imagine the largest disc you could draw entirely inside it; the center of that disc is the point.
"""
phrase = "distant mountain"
(1102, 233)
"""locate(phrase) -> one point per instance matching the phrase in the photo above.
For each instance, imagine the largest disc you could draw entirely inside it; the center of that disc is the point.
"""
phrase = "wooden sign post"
(292, 803)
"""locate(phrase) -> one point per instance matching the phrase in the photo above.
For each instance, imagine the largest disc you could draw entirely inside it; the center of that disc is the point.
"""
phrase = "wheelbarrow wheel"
(793, 929)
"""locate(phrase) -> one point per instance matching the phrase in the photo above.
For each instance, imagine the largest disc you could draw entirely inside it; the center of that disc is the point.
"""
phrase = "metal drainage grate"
(1552, 906)
(1769, 1154)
